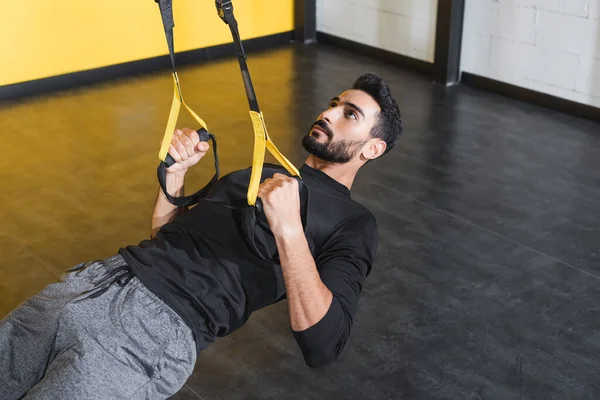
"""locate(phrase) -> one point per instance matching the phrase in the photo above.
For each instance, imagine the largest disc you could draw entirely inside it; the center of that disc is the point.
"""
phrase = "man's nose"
(328, 115)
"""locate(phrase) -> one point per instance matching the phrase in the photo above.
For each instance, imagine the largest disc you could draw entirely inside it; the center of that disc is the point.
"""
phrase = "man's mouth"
(318, 129)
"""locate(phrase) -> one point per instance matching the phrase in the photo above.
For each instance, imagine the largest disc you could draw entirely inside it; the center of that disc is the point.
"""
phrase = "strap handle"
(185, 201)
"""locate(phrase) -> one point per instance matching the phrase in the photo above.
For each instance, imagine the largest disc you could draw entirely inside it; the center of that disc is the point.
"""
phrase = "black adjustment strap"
(225, 10)
(166, 14)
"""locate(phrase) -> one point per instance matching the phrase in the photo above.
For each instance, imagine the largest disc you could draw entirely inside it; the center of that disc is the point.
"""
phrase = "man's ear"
(373, 149)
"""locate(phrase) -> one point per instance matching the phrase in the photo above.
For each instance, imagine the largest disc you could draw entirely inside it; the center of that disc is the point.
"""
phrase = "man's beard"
(339, 152)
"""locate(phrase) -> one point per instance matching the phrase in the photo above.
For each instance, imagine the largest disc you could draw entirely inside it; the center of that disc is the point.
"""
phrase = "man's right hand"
(186, 149)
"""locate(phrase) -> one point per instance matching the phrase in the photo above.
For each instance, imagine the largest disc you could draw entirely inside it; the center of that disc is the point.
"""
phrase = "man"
(131, 326)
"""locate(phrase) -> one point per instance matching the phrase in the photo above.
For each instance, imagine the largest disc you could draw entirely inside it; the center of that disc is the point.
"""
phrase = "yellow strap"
(262, 141)
(258, 156)
(196, 117)
(173, 115)
(281, 158)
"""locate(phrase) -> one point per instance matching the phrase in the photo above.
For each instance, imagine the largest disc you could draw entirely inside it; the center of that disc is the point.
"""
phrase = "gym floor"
(487, 279)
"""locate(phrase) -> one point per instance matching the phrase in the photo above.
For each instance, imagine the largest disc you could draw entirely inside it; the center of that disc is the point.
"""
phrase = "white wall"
(405, 27)
(551, 46)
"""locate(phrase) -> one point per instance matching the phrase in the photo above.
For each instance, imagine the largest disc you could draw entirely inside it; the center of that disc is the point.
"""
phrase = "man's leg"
(27, 333)
(125, 343)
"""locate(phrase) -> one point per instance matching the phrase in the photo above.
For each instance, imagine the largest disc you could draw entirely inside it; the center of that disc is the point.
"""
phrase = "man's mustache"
(323, 125)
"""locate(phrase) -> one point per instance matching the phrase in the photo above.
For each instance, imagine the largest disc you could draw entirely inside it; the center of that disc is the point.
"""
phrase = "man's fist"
(281, 203)
(186, 149)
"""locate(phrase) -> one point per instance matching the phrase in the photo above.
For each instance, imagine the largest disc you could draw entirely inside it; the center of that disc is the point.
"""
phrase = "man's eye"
(331, 105)
(351, 114)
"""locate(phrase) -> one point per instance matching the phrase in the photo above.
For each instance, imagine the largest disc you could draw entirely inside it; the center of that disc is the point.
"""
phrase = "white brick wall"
(401, 26)
(551, 46)
(594, 9)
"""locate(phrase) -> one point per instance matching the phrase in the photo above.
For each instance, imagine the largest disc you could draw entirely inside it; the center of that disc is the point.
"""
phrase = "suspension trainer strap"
(261, 137)
(166, 13)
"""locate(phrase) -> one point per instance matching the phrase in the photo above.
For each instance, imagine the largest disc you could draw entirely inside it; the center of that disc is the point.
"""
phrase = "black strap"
(225, 10)
(166, 14)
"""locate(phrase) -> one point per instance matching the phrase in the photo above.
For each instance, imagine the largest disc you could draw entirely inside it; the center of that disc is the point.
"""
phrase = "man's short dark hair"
(388, 126)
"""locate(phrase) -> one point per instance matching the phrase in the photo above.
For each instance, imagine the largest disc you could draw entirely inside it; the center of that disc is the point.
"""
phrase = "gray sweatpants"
(64, 344)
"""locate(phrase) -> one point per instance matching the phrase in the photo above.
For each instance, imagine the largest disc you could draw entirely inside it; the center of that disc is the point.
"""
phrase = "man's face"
(341, 131)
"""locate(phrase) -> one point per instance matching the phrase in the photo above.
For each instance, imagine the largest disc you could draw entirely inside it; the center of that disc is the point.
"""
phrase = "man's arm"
(308, 297)
(164, 211)
(322, 301)
(186, 149)
(323, 295)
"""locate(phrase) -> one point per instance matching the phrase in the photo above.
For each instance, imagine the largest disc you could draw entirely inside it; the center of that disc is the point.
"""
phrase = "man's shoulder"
(349, 221)
(345, 211)
(361, 220)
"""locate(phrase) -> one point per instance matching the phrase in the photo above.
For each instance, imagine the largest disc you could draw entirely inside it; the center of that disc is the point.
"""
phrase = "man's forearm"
(307, 296)
(164, 211)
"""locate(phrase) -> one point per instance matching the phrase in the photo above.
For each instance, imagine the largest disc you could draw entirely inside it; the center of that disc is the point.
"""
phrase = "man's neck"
(343, 173)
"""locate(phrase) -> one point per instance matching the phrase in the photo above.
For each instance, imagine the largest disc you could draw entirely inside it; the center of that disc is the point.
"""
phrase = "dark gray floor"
(487, 281)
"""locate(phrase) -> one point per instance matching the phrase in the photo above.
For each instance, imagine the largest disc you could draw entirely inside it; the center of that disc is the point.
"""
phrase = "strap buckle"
(225, 9)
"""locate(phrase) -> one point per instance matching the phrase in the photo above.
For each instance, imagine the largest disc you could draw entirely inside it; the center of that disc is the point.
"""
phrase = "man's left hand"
(281, 204)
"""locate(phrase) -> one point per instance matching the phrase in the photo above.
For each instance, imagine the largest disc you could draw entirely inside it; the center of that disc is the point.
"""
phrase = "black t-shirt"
(203, 266)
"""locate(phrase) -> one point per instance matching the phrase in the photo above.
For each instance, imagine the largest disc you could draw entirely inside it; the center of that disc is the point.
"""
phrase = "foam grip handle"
(204, 137)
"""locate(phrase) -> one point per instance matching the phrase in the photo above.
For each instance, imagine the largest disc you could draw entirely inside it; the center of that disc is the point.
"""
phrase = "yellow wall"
(44, 38)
